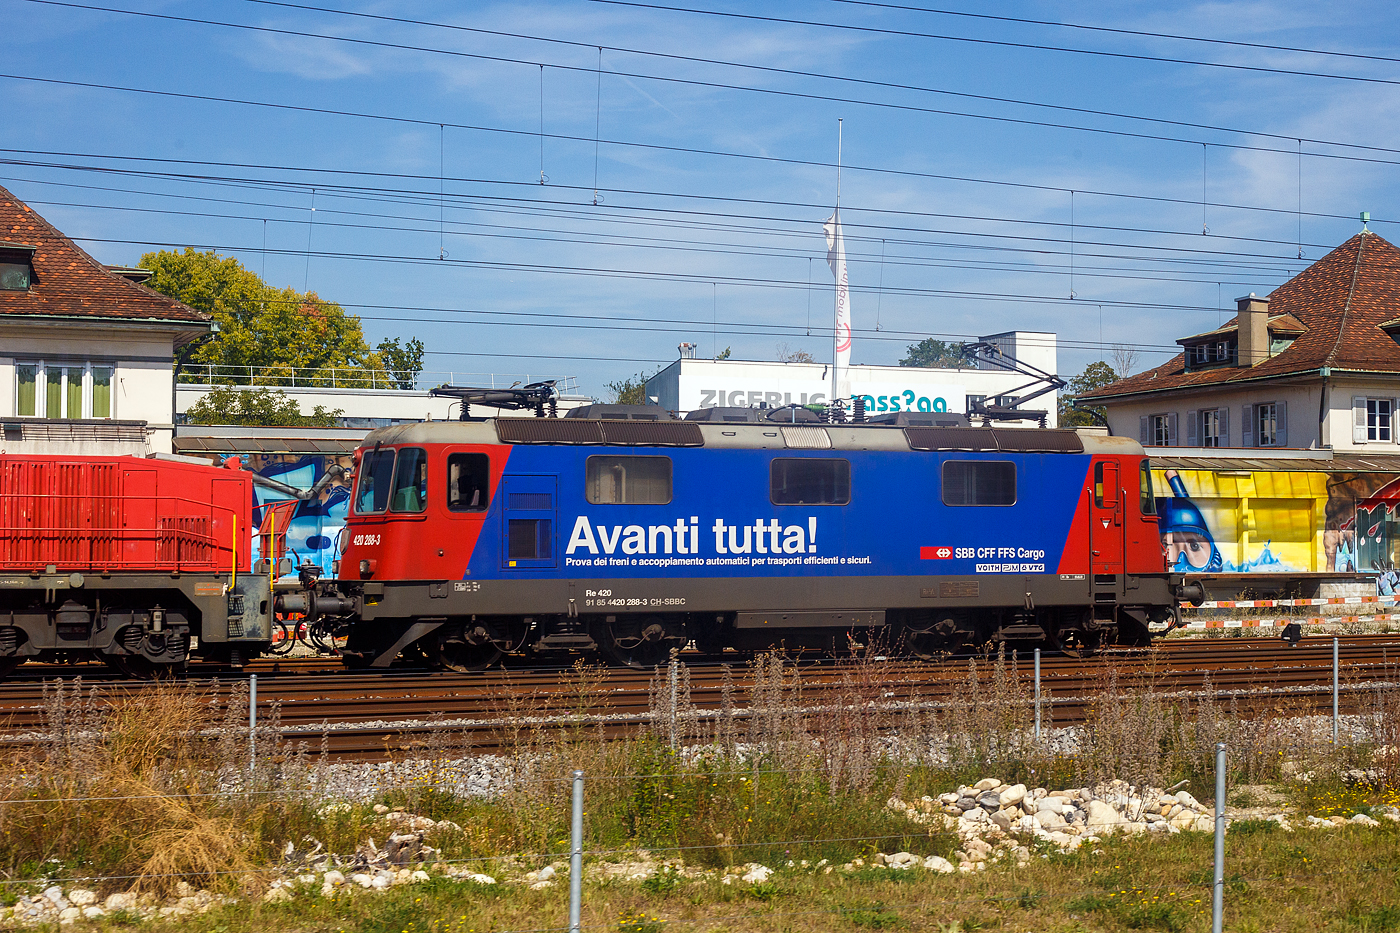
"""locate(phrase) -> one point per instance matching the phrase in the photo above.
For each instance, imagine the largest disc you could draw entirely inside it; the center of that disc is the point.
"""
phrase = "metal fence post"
(1336, 686)
(1037, 694)
(252, 723)
(576, 859)
(1217, 903)
(672, 699)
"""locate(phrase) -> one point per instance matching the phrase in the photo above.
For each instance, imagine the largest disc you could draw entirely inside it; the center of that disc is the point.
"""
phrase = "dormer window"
(16, 268)
(1211, 353)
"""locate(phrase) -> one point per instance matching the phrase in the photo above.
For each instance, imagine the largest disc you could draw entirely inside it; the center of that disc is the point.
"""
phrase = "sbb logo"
(935, 553)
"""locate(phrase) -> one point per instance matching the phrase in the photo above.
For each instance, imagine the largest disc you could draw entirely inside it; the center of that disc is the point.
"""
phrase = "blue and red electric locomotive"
(470, 540)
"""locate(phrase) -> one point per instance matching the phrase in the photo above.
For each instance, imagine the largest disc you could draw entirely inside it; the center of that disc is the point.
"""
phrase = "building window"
(1159, 430)
(1215, 353)
(1211, 434)
(1008, 401)
(63, 390)
(1378, 414)
(974, 402)
(1266, 424)
(14, 276)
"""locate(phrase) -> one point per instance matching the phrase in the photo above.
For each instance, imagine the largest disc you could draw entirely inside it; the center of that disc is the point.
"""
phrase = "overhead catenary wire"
(743, 88)
(1034, 46)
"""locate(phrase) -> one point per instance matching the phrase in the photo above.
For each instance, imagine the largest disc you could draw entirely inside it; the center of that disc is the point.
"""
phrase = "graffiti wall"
(313, 532)
(1227, 521)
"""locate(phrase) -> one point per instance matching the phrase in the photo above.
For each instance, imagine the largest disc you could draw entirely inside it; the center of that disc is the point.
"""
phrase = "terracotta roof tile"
(1339, 303)
(70, 283)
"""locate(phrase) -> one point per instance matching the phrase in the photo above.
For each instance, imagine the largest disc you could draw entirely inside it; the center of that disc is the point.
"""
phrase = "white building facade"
(691, 384)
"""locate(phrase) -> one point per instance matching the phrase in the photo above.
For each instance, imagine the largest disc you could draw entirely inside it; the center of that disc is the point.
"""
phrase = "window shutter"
(1171, 429)
(1394, 420)
(1193, 432)
(1144, 431)
(1358, 419)
(1247, 426)
(1281, 424)
(1224, 427)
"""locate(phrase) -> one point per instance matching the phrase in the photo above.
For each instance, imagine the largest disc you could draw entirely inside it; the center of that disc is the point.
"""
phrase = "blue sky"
(419, 146)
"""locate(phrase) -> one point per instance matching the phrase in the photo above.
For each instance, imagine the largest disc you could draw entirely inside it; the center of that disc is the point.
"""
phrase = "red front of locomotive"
(418, 508)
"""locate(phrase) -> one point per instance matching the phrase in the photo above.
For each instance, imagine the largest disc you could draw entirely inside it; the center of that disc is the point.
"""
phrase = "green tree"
(1095, 376)
(275, 330)
(265, 408)
(931, 352)
(630, 391)
(724, 355)
(403, 363)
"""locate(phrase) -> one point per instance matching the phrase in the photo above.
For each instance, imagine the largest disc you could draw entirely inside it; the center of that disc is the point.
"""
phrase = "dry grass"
(131, 788)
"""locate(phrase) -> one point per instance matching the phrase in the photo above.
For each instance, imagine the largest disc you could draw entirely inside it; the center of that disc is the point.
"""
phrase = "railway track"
(358, 715)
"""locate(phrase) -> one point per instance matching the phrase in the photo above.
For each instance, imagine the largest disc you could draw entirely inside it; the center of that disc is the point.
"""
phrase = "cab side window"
(628, 480)
(373, 482)
(809, 482)
(410, 481)
(979, 482)
(468, 482)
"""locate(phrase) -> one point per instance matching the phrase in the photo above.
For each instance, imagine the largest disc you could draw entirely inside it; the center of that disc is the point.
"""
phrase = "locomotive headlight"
(367, 567)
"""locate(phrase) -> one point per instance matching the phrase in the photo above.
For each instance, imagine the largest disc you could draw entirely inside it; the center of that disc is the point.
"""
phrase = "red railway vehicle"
(135, 562)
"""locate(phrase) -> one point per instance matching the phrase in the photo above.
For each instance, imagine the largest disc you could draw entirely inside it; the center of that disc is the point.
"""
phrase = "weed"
(1254, 827)
(873, 917)
(662, 882)
(639, 922)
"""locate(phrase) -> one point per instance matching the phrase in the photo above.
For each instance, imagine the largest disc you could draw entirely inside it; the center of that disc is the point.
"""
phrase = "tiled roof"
(1278, 323)
(70, 283)
(1339, 302)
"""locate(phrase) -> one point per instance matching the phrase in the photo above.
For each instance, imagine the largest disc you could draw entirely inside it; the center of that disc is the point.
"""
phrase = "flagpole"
(835, 322)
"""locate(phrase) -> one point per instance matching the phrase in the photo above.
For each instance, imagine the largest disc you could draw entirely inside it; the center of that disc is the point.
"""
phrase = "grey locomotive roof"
(760, 436)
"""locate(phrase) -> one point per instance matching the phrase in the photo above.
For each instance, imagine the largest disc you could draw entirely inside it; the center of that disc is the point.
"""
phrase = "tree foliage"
(930, 352)
(1095, 376)
(788, 355)
(630, 391)
(275, 330)
(267, 408)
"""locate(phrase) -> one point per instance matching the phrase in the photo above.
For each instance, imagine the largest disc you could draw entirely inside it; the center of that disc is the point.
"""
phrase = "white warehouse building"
(690, 384)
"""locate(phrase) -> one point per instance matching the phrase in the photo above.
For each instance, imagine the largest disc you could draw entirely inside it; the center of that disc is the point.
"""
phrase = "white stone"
(478, 878)
(1049, 820)
(986, 784)
(948, 799)
(756, 874)
(1187, 800)
(1365, 820)
(92, 913)
(123, 900)
(362, 879)
(1103, 819)
(277, 895)
(1010, 796)
(976, 815)
(380, 882)
(69, 914)
(82, 897)
(333, 877)
(939, 864)
(538, 885)
(420, 876)
(901, 861)
(1051, 805)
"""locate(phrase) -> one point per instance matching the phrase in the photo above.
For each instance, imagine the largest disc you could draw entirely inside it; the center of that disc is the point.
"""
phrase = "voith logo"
(935, 553)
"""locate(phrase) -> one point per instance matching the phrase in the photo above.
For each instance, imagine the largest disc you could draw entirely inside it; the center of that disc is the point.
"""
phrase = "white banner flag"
(836, 258)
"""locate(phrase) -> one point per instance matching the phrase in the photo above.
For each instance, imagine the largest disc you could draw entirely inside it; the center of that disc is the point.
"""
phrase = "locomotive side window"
(411, 481)
(628, 480)
(468, 482)
(1147, 502)
(979, 482)
(1105, 493)
(376, 473)
(810, 482)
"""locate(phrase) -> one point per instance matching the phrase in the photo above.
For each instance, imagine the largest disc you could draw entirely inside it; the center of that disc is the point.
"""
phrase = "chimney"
(1253, 330)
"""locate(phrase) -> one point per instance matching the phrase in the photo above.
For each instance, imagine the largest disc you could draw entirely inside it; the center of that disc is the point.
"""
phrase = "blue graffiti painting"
(315, 525)
(1186, 538)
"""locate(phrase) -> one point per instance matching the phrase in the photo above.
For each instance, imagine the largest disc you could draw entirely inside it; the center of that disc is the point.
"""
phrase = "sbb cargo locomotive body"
(133, 561)
(469, 540)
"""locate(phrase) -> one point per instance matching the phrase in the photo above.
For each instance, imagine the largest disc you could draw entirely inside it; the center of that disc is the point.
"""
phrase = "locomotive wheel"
(465, 652)
(1079, 644)
(929, 646)
(636, 643)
